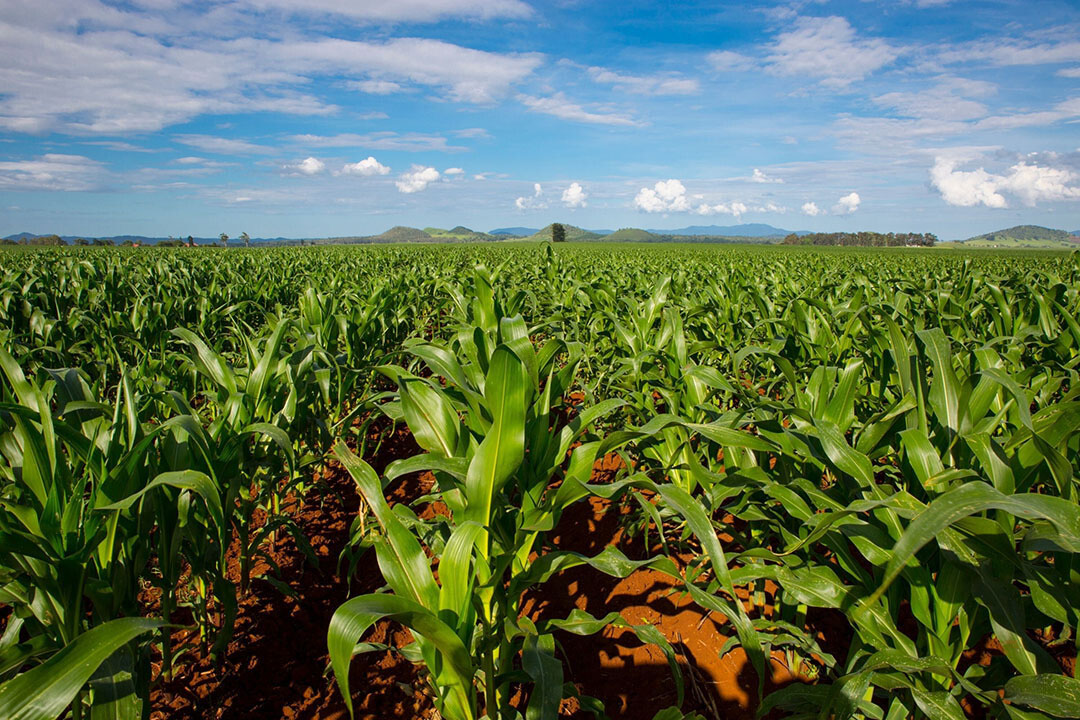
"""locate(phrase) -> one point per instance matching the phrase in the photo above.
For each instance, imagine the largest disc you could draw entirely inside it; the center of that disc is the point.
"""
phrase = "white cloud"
(376, 87)
(575, 196)
(562, 107)
(403, 10)
(140, 69)
(811, 209)
(51, 171)
(664, 196)
(735, 208)
(729, 61)
(760, 177)
(1005, 53)
(366, 167)
(536, 202)
(307, 166)
(1031, 183)
(220, 145)
(385, 140)
(453, 171)
(670, 196)
(827, 48)
(1069, 72)
(417, 179)
(473, 132)
(847, 204)
(465, 74)
(948, 100)
(646, 84)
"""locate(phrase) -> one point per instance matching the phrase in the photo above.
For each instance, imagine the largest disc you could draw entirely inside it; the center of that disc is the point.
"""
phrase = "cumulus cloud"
(664, 196)
(847, 204)
(366, 167)
(536, 202)
(829, 49)
(670, 196)
(811, 209)
(735, 209)
(574, 196)
(307, 166)
(416, 179)
(1029, 182)
(453, 171)
(562, 107)
(760, 177)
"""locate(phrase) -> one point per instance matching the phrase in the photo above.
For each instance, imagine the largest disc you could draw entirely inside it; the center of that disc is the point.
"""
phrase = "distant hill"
(401, 233)
(514, 231)
(631, 235)
(148, 240)
(1025, 236)
(460, 234)
(573, 234)
(744, 230)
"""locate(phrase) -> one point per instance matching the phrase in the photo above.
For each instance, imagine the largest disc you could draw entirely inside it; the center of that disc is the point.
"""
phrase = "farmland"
(539, 481)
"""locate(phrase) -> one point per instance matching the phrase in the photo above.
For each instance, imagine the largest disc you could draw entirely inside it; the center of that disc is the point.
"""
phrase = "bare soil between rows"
(276, 665)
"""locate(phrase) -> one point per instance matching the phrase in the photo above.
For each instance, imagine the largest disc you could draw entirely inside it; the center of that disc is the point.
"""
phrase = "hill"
(631, 235)
(460, 234)
(573, 234)
(1024, 236)
(514, 231)
(400, 233)
(759, 230)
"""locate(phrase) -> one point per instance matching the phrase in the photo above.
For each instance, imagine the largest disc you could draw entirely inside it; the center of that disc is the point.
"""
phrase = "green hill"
(1024, 236)
(400, 233)
(631, 235)
(573, 234)
(459, 234)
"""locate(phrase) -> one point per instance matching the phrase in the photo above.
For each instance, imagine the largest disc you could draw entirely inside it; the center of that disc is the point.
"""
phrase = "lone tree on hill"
(558, 233)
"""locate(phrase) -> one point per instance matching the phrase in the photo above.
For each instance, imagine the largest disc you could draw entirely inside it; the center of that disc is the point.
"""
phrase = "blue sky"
(312, 118)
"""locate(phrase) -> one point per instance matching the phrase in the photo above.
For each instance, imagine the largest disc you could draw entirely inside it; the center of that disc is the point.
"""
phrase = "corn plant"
(490, 440)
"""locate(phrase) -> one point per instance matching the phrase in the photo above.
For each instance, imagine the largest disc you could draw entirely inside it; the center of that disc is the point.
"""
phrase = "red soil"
(276, 663)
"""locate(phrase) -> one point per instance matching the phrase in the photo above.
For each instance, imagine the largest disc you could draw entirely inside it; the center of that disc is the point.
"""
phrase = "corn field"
(887, 438)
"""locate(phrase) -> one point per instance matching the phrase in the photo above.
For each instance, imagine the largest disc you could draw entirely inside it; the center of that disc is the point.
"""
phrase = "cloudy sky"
(307, 118)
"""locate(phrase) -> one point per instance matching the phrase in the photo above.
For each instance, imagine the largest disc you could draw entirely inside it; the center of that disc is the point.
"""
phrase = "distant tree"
(224, 240)
(82, 241)
(558, 233)
(8, 241)
(46, 240)
(104, 242)
(246, 238)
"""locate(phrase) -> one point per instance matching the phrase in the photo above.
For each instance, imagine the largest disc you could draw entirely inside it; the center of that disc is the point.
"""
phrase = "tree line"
(864, 239)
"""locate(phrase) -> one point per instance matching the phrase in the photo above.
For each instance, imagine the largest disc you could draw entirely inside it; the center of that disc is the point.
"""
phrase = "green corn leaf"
(352, 619)
(503, 448)
(192, 480)
(973, 498)
(539, 662)
(403, 562)
(1056, 695)
(44, 692)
